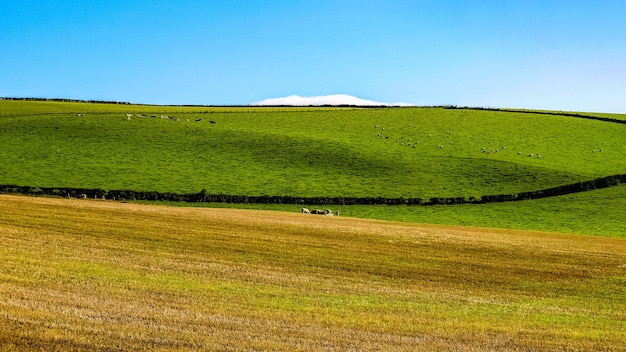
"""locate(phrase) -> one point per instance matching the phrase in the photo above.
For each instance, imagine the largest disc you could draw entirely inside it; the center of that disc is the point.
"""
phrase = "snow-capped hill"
(336, 99)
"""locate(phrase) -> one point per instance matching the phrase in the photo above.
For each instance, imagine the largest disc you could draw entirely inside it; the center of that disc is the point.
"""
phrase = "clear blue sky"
(544, 54)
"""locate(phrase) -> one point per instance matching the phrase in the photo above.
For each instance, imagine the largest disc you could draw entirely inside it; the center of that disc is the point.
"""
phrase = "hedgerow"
(204, 196)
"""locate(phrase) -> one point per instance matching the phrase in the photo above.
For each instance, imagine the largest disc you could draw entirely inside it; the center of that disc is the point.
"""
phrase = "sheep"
(306, 211)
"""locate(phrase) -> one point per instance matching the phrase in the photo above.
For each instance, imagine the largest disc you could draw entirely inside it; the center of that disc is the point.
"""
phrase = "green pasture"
(594, 213)
(402, 152)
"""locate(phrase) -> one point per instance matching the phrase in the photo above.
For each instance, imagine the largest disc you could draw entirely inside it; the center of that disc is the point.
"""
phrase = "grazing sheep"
(337, 213)
(212, 122)
(306, 211)
(198, 120)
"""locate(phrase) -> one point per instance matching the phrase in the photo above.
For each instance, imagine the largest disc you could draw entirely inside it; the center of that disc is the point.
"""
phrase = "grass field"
(102, 276)
(595, 213)
(422, 152)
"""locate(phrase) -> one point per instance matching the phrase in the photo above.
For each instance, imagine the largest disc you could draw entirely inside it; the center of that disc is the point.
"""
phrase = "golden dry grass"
(104, 276)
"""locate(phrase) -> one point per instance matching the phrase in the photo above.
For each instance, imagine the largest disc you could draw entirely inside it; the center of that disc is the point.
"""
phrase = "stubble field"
(103, 276)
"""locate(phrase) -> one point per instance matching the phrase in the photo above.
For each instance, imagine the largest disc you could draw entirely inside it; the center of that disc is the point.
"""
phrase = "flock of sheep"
(414, 143)
(327, 212)
(173, 118)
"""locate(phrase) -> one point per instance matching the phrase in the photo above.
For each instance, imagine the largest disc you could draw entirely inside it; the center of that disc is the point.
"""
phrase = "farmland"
(102, 275)
(99, 275)
(422, 152)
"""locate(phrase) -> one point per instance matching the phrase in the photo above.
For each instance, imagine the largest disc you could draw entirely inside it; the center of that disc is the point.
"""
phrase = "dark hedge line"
(554, 113)
(204, 196)
(64, 100)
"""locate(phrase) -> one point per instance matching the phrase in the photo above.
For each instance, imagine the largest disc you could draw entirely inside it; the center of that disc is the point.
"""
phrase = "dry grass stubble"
(97, 275)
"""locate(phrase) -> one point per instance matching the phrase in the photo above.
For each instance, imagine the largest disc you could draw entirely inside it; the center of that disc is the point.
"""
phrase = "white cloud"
(336, 99)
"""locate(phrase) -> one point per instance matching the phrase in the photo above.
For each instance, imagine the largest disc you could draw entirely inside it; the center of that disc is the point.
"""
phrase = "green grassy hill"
(408, 152)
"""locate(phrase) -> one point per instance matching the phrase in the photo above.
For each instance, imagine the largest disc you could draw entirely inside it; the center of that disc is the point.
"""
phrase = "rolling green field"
(407, 152)
(87, 275)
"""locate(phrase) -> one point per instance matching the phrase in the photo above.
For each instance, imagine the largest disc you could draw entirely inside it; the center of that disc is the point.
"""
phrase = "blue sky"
(549, 54)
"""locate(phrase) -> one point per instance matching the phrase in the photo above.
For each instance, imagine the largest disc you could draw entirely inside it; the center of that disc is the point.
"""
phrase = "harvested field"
(101, 276)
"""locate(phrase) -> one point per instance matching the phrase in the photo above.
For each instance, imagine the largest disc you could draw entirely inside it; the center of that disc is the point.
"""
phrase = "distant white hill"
(336, 99)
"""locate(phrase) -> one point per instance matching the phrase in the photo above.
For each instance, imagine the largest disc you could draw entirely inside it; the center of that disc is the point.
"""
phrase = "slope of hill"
(98, 275)
(403, 152)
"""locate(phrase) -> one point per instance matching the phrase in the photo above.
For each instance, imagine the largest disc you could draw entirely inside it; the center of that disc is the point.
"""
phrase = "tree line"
(204, 196)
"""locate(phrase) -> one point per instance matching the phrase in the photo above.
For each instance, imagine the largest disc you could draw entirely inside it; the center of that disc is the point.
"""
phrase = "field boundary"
(204, 197)
(537, 112)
